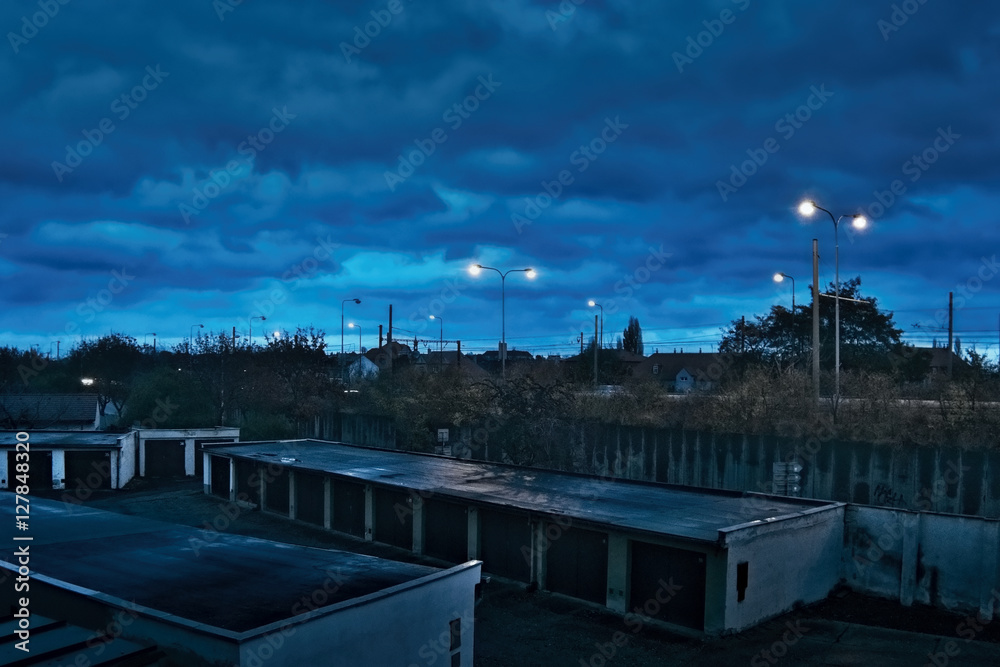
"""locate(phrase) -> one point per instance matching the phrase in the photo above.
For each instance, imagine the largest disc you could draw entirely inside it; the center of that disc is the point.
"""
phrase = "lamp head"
(358, 301)
(778, 277)
(807, 207)
(350, 325)
(591, 303)
(432, 317)
(859, 221)
(475, 269)
(531, 274)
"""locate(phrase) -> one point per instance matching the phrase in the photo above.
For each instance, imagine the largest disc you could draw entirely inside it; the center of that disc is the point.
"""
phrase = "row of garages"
(79, 461)
(689, 583)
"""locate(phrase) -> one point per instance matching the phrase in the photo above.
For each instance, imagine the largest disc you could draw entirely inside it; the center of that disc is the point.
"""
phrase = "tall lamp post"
(191, 336)
(858, 221)
(778, 277)
(475, 270)
(255, 317)
(593, 303)
(441, 332)
(342, 321)
(352, 325)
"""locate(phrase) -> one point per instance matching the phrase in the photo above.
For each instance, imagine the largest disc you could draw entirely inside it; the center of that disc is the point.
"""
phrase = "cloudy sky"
(198, 162)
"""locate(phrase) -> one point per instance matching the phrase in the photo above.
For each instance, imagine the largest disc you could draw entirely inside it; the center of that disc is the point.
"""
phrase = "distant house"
(679, 372)
(389, 355)
(362, 368)
(63, 412)
(939, 357)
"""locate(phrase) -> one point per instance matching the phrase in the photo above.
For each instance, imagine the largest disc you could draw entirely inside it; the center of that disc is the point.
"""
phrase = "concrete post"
(988, 547)
(369, 513)
(539, 545)
(418, 524)
(327, 503)
(618, 567)
(473, 533)
(908, 568)
(58, 480)
(263, 488)
(292, 509)
(206, 472)
(232, 480)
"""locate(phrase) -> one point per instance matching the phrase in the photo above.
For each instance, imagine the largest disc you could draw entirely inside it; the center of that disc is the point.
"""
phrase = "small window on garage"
(742, 576)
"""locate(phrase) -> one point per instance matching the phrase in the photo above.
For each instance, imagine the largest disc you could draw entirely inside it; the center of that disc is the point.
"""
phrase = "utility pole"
(595, 350)
(743, 334)
(815, 344)
(951, 329)
(581, 343)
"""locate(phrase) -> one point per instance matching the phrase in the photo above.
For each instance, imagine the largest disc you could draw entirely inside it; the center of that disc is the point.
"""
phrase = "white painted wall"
(790, 560)
(58, 468)
(127, 455)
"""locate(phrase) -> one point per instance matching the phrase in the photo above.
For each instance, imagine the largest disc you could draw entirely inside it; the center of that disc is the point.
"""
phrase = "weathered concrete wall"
(941, 560)
(937, 479)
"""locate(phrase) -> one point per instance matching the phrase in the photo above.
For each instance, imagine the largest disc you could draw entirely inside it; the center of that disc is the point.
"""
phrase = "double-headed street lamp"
(593, 303)
(358, 301)
(858, 221)
(441, 332)
(475, 269)
(778, 277)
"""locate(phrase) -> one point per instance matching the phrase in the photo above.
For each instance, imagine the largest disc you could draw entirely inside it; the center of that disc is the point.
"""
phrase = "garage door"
(504, 541)
(199, 450)
(248, 481)
(88, 470)
(309, 498)
(277, 491)
(394, 518)
(577, 562)
(220, 476)
(349, 508)
(165, 458)
(668, 584)
(39, 471)
(446, 531)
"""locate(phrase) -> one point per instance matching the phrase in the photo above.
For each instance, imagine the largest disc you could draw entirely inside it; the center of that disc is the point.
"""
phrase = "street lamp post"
(858, 221)
(255, 317)
(342, 321)
(191, 335)
(593, 303)
(474, 270)
(352, 325)
(778, 277)
(441, 332)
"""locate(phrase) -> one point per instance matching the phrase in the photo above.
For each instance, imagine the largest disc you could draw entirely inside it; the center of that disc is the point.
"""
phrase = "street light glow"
(475, 269)
(591, 303)
(350, 325)
(530, 273)
(859, 222)
(778, 277)
(807, 207)
(87, 381)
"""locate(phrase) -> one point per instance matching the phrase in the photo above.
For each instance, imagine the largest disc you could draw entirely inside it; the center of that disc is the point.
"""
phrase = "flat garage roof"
(684, 512)
(64, 439)
(233, 582)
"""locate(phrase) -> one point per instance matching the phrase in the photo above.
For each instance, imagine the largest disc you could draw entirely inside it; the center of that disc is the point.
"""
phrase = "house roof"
(672, 363)
(47, 410)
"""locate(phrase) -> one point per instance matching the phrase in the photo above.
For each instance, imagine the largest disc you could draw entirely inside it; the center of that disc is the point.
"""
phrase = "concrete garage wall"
(403, 625)
(937, 479)
(940, 560)
(789, 561)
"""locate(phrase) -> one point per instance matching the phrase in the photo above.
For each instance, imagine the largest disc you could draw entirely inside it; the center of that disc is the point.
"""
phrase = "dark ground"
(516, 627)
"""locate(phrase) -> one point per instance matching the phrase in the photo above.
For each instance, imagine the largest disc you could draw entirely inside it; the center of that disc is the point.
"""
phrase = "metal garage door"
(394, 518)
(658, 571)
(446, 531)
(309, 498)
(349, 508)
(248, 481)
(165, 458)
(277, 490)
(504, 541)
(577, 562)
(39, 471)
(199, 450)
(88, 470)
(220, 476)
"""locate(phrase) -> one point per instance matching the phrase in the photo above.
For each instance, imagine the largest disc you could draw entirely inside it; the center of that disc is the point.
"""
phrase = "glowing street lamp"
(352, 325)
(255, 317)
(475, 270)
(358, 301)
(592, 304)
(441, 333)
(779, 277)
(858, 221)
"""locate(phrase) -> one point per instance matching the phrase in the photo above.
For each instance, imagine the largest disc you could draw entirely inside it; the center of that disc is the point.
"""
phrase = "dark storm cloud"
(697, 91)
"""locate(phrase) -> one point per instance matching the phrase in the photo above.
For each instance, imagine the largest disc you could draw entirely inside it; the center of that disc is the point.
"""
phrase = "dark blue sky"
(167, 164)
